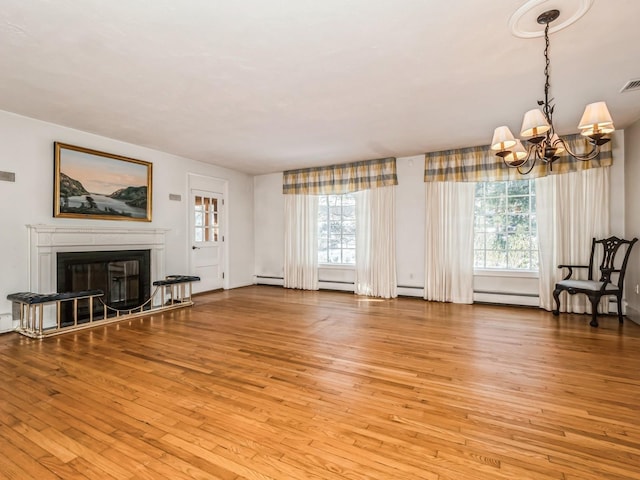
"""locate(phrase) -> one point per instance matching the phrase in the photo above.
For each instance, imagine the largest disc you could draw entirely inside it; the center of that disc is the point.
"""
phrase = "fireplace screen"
(124, 276)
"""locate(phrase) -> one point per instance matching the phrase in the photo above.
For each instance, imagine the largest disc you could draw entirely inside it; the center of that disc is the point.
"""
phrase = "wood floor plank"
(15, 463)
(269, 383)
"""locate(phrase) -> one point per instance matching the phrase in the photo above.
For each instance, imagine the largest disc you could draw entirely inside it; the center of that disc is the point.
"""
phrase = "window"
(505, 228)
(337, 229)
(206, 224)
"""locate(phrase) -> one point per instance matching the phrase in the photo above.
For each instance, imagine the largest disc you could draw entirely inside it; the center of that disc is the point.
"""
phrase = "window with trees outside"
(505, 227)
(337, 229)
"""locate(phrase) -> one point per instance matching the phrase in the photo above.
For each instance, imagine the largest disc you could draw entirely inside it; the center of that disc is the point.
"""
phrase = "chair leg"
(556, 298)
(619, 299)
(594, 311)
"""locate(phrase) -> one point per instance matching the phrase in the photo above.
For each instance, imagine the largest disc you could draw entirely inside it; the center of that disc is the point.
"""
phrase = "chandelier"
(537, 127)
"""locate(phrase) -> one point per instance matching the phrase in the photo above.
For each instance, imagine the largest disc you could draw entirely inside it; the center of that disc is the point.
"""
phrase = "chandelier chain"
(547, 85)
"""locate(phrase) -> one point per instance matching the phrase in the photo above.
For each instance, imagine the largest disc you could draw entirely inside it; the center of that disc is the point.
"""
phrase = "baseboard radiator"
(479, 296)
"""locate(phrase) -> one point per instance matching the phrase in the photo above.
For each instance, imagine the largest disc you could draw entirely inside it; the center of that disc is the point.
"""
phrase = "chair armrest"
(570, 268)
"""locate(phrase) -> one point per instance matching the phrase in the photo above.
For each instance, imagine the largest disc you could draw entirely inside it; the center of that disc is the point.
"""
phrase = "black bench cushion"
(35, 298)
(173, 279)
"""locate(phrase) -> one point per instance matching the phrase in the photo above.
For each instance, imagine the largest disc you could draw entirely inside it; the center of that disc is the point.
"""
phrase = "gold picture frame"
(97, 185)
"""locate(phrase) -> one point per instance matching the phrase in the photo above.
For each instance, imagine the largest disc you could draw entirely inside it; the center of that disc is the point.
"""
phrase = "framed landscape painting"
(98, 185)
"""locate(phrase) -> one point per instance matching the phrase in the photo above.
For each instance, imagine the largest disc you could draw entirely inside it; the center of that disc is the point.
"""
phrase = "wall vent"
(631, 85)
(7, 176)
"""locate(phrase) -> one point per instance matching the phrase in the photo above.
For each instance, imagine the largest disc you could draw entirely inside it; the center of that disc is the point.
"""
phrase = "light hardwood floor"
(268, 383)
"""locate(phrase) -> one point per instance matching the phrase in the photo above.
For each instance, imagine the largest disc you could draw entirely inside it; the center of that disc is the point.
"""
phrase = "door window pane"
(206, 221)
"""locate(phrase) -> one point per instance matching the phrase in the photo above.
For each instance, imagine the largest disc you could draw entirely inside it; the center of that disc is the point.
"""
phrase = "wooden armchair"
(606, 286)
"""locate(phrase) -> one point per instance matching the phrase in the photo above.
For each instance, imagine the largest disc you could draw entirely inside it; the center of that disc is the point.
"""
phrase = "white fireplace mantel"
(45, 241)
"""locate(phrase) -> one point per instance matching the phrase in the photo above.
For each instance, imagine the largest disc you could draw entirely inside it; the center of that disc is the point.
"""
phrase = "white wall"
(509, 288)
(617, 202)
(27, 150)
(410, 229)
(269, 226)
(632, 219)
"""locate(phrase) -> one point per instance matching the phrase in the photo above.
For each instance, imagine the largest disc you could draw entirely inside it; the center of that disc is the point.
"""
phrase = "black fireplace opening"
(123, 275)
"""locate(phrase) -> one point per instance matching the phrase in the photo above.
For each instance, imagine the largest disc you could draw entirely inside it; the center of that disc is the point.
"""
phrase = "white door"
(207, 240)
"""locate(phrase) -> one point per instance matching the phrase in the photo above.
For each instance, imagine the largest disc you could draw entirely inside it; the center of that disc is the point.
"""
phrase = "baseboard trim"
(633, 315)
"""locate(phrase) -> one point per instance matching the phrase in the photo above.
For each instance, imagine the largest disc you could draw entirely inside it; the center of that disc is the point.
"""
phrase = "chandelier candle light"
(537, 126)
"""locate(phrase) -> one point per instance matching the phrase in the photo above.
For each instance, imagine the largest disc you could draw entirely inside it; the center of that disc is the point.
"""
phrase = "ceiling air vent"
(631, 85)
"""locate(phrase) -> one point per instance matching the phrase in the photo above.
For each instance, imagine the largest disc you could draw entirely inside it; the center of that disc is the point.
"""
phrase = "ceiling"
(264, 86)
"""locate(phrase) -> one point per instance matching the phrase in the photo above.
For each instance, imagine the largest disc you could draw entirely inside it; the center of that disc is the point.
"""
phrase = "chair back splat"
(606, 286)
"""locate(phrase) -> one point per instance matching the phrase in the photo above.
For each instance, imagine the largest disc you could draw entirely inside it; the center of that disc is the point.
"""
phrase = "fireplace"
(47, 241)
(123, 275)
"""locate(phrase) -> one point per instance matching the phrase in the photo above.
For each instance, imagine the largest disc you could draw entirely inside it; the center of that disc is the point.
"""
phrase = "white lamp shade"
(534, 124)
(595, 130)
(517, 156)
(503, 139)
(595, 115)
(555, 142)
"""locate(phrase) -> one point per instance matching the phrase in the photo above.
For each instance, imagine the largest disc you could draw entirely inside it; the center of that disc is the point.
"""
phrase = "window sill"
(337, 266)
(497, 272)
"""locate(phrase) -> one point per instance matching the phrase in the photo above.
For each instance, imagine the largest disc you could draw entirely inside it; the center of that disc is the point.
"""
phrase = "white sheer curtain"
(449, 241)
(572, 208)
(301, 242)
(376, 243)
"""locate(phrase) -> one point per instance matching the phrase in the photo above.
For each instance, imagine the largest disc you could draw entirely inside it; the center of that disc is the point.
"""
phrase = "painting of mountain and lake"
(93, 184)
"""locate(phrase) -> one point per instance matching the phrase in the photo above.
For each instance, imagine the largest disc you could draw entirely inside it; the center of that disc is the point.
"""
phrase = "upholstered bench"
(175, 285)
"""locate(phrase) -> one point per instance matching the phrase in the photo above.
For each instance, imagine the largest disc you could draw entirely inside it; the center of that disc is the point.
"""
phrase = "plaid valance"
(342, 178)
(480, 164)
